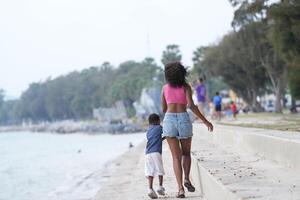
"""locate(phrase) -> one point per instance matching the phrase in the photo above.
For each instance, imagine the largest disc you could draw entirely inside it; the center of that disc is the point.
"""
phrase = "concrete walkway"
(238, 163)
(229, 164)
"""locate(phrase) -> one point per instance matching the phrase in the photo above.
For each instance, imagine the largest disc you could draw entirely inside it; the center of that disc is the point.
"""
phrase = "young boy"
(153, 158)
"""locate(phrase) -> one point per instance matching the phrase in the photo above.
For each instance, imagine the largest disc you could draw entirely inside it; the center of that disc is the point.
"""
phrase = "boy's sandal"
(180, 194)
(189, 186)
(152, 194)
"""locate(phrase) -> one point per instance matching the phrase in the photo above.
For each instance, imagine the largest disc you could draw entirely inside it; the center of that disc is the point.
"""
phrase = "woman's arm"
(163, 102)
(195, 109)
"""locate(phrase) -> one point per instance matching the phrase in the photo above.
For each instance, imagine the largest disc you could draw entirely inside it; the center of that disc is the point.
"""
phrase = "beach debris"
(130, 145)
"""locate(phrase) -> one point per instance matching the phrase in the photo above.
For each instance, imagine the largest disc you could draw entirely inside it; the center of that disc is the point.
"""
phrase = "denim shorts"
(177, 125)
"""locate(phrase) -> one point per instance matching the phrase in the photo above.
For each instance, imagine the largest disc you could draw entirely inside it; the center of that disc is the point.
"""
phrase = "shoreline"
(125, 177)
(69, 127)
(113, 169)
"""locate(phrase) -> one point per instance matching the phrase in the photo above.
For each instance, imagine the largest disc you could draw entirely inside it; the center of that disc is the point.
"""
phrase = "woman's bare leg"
(176, 155)
(186, 157)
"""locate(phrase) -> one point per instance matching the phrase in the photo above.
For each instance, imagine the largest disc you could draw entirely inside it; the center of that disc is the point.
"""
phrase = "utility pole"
(148, 46)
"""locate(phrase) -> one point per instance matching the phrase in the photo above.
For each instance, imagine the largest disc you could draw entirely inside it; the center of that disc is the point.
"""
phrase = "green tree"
(73, 96)
(285, 36)
(171, 54)
(213, 82)
(132, 78)
(2, 111)
(251, 16)
(33, 101)
(1, 96)
(198, 56)
(102, 79)
(7, 112)
(275, 67)
(242, 72)
(248, 11)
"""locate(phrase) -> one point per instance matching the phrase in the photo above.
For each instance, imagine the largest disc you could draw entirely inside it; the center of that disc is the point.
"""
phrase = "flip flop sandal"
(189, 186)
(180, 194)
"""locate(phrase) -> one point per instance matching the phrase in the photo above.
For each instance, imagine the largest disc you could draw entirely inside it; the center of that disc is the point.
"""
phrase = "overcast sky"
(40, 38)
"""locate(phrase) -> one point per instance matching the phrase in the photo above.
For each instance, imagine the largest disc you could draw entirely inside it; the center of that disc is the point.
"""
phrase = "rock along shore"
(65, 127)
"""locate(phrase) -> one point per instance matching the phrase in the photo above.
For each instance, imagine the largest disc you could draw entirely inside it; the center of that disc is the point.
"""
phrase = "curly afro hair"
(175, 74)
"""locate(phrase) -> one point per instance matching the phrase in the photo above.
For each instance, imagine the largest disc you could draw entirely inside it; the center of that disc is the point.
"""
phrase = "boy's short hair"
(153, 118)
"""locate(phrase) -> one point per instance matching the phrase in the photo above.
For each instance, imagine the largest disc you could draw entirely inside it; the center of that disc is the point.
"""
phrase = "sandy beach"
(126, 179)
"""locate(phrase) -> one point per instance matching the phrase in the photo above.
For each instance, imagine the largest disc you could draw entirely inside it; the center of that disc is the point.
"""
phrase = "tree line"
(73, 96)
(262, 53)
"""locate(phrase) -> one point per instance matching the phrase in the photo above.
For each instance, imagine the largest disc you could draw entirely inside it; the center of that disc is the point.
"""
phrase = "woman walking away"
(177, 127)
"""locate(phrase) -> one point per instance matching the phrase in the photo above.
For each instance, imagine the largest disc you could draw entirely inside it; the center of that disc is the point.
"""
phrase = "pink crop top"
(174, 94)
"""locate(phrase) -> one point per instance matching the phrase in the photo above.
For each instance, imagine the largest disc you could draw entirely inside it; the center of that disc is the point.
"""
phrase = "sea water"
(44, 166)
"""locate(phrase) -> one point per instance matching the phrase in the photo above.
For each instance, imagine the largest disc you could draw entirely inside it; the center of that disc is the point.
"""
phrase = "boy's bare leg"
(161, 189)
(151, 192)
(161, 178)
(150, 181)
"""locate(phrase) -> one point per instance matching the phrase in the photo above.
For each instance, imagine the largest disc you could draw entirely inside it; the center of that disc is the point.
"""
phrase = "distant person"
(228, 110)
(233, 109)
(217, 100)
(201, 95)
(177, 126)
(153, 159)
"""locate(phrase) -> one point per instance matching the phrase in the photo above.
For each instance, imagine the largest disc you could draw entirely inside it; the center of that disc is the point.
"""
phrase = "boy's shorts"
(177, 125)
(218, 108)
(154, 165)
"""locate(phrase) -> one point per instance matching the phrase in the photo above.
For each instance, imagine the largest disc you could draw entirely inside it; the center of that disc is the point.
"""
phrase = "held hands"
(209, 125)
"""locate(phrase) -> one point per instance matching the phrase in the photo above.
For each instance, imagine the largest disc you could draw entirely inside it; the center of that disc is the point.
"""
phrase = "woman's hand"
(209, 125)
